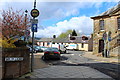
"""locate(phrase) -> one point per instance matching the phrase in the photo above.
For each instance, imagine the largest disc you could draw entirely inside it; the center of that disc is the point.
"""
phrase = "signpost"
(104, 38)
(34, 14)
(109, 39)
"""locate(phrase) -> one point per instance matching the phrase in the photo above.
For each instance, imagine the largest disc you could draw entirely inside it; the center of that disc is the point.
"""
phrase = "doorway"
(101, 45)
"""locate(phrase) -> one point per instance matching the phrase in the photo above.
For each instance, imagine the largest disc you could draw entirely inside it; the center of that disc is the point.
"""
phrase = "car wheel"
(45, 58)
(58, 58)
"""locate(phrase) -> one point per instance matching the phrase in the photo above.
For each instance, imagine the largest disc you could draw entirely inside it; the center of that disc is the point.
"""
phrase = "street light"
(25, 38)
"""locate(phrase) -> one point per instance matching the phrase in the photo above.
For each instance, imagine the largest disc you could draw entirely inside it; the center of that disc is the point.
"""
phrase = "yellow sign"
(34, 13)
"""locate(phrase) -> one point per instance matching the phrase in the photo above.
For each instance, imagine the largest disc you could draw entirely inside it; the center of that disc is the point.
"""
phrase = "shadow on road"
(110, 69)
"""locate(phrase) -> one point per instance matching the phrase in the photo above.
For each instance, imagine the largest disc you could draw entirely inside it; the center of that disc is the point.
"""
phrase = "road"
(75, 59)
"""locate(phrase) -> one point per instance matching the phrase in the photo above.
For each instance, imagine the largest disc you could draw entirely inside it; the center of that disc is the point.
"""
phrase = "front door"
(101, 45)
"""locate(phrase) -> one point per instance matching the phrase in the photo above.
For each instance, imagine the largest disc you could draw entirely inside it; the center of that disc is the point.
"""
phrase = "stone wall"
(14, 69)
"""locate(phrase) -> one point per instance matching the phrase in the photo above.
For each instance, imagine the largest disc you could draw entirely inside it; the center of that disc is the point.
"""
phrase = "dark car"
(51, 53)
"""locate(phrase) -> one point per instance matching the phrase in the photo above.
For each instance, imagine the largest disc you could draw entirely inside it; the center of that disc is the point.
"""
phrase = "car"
(61, 47)
(30, 49)
(38, 49)
(51, 53)
(43, 48)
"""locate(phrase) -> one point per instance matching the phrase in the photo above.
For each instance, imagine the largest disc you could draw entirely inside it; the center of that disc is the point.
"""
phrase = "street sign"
(109, 38)
(34, 13)
(34, 28)
(14, 59)
(34, 21)
(104, 36)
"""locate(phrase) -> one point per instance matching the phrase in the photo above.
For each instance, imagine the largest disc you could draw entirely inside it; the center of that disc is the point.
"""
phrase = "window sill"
(102, 30)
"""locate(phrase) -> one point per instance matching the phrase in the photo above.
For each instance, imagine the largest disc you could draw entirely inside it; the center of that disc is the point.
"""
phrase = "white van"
(72, 47)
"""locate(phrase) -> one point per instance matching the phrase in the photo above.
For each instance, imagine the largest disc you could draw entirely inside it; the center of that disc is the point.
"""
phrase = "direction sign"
(34, 13)
(34, 21)
(34, 28)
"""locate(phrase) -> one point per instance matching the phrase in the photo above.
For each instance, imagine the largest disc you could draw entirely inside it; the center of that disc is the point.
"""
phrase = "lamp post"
(25, 38)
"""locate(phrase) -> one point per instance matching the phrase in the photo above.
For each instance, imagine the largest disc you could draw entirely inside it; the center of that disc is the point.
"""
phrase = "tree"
(14, 24)
(65, 34)
(74, 33)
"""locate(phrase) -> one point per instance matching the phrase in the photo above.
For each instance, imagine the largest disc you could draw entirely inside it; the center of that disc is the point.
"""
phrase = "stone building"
(106, 35)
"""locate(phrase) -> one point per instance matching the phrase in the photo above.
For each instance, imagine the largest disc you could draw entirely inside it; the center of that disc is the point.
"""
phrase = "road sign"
(34, 21)
(34, 13)
(34, 28)
(109, 38)
(104, 36)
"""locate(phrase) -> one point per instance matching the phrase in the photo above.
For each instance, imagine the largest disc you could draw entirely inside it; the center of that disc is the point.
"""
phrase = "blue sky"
(57, 17)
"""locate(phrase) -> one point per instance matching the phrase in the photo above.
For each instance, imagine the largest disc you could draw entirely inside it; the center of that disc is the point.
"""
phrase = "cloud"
(82, 24)
(60, 0)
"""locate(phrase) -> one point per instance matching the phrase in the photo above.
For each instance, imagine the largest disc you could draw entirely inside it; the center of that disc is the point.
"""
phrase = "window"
(82, 45)
(101, 24)
(118, 22)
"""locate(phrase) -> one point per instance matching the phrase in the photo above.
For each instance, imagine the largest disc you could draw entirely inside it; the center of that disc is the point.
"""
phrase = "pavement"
(56, 71)
(67, 72)
(100, 58)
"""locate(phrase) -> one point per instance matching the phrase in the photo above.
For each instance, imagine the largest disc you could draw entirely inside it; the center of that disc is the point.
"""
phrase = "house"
(106, 35)
(47, 42)
(78, 41)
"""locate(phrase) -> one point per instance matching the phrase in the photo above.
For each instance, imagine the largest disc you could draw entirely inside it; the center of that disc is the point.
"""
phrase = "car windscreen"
(52, 49)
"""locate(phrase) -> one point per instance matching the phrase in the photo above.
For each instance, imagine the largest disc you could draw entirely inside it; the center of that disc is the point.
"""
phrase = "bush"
(6, 44)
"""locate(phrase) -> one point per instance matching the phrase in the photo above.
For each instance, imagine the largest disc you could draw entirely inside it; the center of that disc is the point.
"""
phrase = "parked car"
(52, 53)
(61, 47)
(38, 49)
(30, 49)
(43, 48)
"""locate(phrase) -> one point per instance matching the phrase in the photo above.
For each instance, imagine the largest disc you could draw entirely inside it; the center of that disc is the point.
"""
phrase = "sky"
(58, 16)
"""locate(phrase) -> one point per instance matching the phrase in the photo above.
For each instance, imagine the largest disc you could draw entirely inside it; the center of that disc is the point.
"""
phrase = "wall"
(14, 69)
(85, 48)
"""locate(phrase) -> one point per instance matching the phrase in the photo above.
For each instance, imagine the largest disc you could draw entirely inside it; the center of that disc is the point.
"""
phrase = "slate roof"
(64, 40)
(108, 12)
(45, 39)
(67, 40)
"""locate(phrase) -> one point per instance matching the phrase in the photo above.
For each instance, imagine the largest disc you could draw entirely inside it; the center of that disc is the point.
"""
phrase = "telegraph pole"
(34, 14)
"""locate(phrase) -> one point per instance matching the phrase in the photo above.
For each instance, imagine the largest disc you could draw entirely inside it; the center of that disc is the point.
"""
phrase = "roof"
(109, 12)
(60, 40)
(67, 40)
(64, 40)
(45, 39)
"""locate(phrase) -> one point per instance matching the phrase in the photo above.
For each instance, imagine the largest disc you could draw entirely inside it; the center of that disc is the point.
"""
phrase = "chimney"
(54, 36)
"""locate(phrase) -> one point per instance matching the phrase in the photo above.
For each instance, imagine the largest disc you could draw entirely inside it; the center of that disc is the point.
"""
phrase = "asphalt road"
(75, 58)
